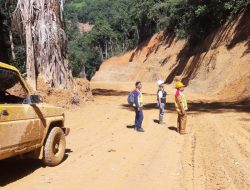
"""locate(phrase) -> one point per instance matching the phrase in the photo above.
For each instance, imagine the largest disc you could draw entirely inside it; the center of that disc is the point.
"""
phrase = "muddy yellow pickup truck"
(28, 127)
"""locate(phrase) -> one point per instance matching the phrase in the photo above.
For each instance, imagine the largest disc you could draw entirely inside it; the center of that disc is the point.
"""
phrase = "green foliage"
(3, 32)
(82, 53)
(19, 62)
(120, 25)
(6, 8)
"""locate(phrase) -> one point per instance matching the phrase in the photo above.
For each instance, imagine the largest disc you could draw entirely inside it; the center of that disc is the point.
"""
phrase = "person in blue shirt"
(138, 107)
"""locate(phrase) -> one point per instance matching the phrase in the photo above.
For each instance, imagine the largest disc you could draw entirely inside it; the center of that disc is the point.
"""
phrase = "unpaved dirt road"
(105, 153)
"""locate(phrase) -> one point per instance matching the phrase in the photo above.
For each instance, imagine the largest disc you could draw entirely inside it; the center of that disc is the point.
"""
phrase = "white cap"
(160, 82)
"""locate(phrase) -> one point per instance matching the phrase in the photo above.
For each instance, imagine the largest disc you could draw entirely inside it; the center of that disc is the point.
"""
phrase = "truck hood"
(48, 110)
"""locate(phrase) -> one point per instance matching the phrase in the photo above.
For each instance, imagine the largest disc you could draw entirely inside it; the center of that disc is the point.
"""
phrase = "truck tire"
(54, 148)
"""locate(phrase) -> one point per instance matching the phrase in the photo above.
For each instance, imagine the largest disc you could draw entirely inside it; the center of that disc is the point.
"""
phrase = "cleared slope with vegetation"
(218, 66)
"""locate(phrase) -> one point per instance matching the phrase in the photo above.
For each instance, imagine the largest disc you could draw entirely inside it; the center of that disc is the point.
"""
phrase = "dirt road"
(104, 151)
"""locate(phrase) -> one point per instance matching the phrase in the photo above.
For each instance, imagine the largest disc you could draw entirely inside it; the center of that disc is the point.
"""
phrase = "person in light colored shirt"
(161, 100)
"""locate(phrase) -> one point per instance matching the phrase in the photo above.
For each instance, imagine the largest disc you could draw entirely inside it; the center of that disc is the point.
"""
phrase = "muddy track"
(219, 150)
(104, 152)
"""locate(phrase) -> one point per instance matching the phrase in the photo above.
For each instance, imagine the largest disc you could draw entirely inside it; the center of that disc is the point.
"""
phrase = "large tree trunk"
(45, 41)
(25, 8)
(30, 60)
(12, 45)
(101, 52)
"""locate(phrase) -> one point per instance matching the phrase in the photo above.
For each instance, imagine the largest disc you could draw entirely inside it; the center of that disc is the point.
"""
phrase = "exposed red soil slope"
(218, 67)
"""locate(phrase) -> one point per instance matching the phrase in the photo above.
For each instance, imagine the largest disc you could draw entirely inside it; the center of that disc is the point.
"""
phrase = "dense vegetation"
(7, 7)
(120, 25)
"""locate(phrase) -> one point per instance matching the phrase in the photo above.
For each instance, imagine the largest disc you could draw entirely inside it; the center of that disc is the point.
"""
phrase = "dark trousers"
(138, 118)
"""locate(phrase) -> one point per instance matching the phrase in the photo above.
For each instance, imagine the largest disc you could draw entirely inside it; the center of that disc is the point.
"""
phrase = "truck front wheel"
(54, 148)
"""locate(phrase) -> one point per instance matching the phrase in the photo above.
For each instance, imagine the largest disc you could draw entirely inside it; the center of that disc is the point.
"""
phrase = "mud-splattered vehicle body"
(28, 126)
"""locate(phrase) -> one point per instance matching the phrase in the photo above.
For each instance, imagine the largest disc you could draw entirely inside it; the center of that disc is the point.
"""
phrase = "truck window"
(11, 89)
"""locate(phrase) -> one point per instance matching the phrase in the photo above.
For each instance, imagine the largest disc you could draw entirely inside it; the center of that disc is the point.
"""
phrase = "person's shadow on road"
(156, 121)
(130, 126)
(172, 128)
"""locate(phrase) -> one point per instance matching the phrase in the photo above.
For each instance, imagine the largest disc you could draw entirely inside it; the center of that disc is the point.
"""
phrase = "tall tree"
(45, 41)
(3, 33)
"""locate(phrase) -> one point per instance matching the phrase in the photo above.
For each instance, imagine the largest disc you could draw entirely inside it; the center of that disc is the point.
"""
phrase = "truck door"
(20, 127)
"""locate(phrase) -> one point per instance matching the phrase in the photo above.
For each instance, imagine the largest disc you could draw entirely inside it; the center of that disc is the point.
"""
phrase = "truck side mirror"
(36, 99)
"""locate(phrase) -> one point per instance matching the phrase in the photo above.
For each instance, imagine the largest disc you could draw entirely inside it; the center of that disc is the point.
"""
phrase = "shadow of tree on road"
(108, 92)
(111, 92)
(202, 107)
(172, 128)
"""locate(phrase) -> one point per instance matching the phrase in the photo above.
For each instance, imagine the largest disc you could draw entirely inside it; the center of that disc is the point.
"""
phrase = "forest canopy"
(120, 25)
